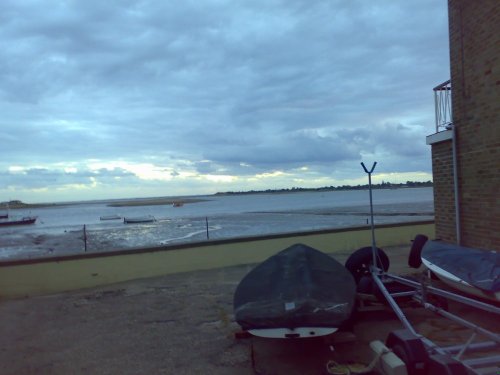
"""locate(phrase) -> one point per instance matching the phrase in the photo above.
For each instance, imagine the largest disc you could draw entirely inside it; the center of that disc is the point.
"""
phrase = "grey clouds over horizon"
(128, 98)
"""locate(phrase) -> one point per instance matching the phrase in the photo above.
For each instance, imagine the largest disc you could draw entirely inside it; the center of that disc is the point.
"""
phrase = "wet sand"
(39, 241)
(182, 324)
(36, 245)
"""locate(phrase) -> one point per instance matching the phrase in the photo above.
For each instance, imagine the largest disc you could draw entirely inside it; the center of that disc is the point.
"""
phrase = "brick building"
(466, 145)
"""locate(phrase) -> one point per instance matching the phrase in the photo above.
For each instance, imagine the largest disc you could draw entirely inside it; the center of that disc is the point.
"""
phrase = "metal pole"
(85, 236)
(397, 310)
(374, 247)
(206, 222)
(451, 296)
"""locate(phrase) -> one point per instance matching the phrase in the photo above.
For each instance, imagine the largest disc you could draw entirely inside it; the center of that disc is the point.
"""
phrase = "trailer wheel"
(365, 285)
(415, 259)
(410, 349)
(360, 261)
(400, 351)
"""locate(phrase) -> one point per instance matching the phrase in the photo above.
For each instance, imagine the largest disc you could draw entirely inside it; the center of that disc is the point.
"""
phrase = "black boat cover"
(479, 268)
(298, 287)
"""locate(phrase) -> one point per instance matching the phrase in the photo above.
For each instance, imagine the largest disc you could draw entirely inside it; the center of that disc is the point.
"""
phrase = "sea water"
(215, 217)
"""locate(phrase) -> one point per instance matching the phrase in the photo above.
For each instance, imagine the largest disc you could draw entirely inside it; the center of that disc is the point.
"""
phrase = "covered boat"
(470, 270)
(299, 292)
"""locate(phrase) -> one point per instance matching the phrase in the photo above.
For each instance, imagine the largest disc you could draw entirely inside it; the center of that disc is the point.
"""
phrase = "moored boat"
(473, 271)
(110, 217)
(299, 292)
(139, 219)
(23, 221)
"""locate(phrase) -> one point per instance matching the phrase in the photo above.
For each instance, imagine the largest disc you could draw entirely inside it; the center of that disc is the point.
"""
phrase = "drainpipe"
(455, 184)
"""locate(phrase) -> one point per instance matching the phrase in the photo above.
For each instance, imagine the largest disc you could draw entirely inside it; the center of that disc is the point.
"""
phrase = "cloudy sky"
(110, 99)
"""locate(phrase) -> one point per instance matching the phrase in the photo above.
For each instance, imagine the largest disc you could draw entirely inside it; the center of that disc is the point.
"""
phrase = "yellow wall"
(46, 276)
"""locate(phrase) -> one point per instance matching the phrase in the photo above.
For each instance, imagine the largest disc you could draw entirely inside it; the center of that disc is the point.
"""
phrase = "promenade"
(180, 324)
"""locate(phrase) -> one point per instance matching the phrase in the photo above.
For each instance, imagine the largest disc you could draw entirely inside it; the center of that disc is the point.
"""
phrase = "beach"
(59, 230)
(182, 324)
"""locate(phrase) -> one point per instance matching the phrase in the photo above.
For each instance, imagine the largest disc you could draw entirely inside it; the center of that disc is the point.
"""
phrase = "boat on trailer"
(473, 271)
(419, 354)
(296, 293)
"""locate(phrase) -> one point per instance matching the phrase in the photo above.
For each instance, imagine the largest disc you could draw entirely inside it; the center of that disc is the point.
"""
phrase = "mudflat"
(183, 324)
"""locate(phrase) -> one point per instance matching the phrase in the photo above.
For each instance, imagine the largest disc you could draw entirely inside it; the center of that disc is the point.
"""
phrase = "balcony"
(442, 103)
(444, 115)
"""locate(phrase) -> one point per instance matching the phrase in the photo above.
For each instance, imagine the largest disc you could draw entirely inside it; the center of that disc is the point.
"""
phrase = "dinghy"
(473, 271)
(22, 221)
(139, 219)
(299, 292)
(110, 217)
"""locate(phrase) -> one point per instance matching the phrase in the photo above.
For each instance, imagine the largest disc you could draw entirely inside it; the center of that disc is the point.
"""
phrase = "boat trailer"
(419, 353)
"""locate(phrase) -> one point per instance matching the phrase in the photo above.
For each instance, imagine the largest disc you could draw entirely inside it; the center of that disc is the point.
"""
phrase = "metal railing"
(442, 102)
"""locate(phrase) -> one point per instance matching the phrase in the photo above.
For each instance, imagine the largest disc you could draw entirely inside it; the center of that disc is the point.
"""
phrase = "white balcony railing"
(442, 100)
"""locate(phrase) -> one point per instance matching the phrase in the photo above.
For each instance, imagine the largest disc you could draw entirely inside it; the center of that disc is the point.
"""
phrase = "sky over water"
(110, 99)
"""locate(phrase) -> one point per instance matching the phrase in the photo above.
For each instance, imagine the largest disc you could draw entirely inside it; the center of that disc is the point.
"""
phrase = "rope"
(335, 368)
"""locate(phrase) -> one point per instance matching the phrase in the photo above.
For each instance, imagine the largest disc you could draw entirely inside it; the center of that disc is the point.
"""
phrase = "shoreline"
(155, 202)
(36, 245)
(190, 225)
(18, 204)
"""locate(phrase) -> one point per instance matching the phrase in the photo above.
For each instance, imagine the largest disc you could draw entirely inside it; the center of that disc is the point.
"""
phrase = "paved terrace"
(181, 324)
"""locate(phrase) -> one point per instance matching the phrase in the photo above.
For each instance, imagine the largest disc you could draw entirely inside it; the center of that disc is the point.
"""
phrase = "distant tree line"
(382, 185)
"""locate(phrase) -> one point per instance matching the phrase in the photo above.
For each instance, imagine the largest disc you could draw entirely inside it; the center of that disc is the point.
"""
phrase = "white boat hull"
(287, 333)
(457, 283)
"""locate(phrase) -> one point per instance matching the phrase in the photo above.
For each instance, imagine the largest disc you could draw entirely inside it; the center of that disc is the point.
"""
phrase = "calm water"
(227, 217)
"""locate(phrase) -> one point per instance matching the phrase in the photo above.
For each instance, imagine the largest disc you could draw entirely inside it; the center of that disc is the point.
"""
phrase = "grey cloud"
(273, 84)
(44, 177)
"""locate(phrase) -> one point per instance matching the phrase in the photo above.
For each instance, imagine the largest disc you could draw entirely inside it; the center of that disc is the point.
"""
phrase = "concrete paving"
(183, 324)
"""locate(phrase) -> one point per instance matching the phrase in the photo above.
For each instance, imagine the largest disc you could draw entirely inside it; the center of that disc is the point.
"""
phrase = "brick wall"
(475, 78)
(444, 197)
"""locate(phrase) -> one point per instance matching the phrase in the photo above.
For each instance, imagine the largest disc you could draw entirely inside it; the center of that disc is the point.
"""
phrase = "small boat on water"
(23, 221)
(473, 271)
(110, 217)
(299, 292)
(177, 204)
(139, 219)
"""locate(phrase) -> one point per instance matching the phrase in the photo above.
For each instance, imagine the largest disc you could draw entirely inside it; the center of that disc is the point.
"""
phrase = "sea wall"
(24, 278)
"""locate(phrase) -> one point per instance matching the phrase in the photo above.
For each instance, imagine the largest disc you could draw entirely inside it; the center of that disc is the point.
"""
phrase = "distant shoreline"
(15, 205)
(157, 201)
(383, 185)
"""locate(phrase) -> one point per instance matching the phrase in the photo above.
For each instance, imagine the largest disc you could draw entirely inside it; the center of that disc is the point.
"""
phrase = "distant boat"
(178, 204)
(110, 217)
(23, 221)
(139, 219)
(299, 292)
